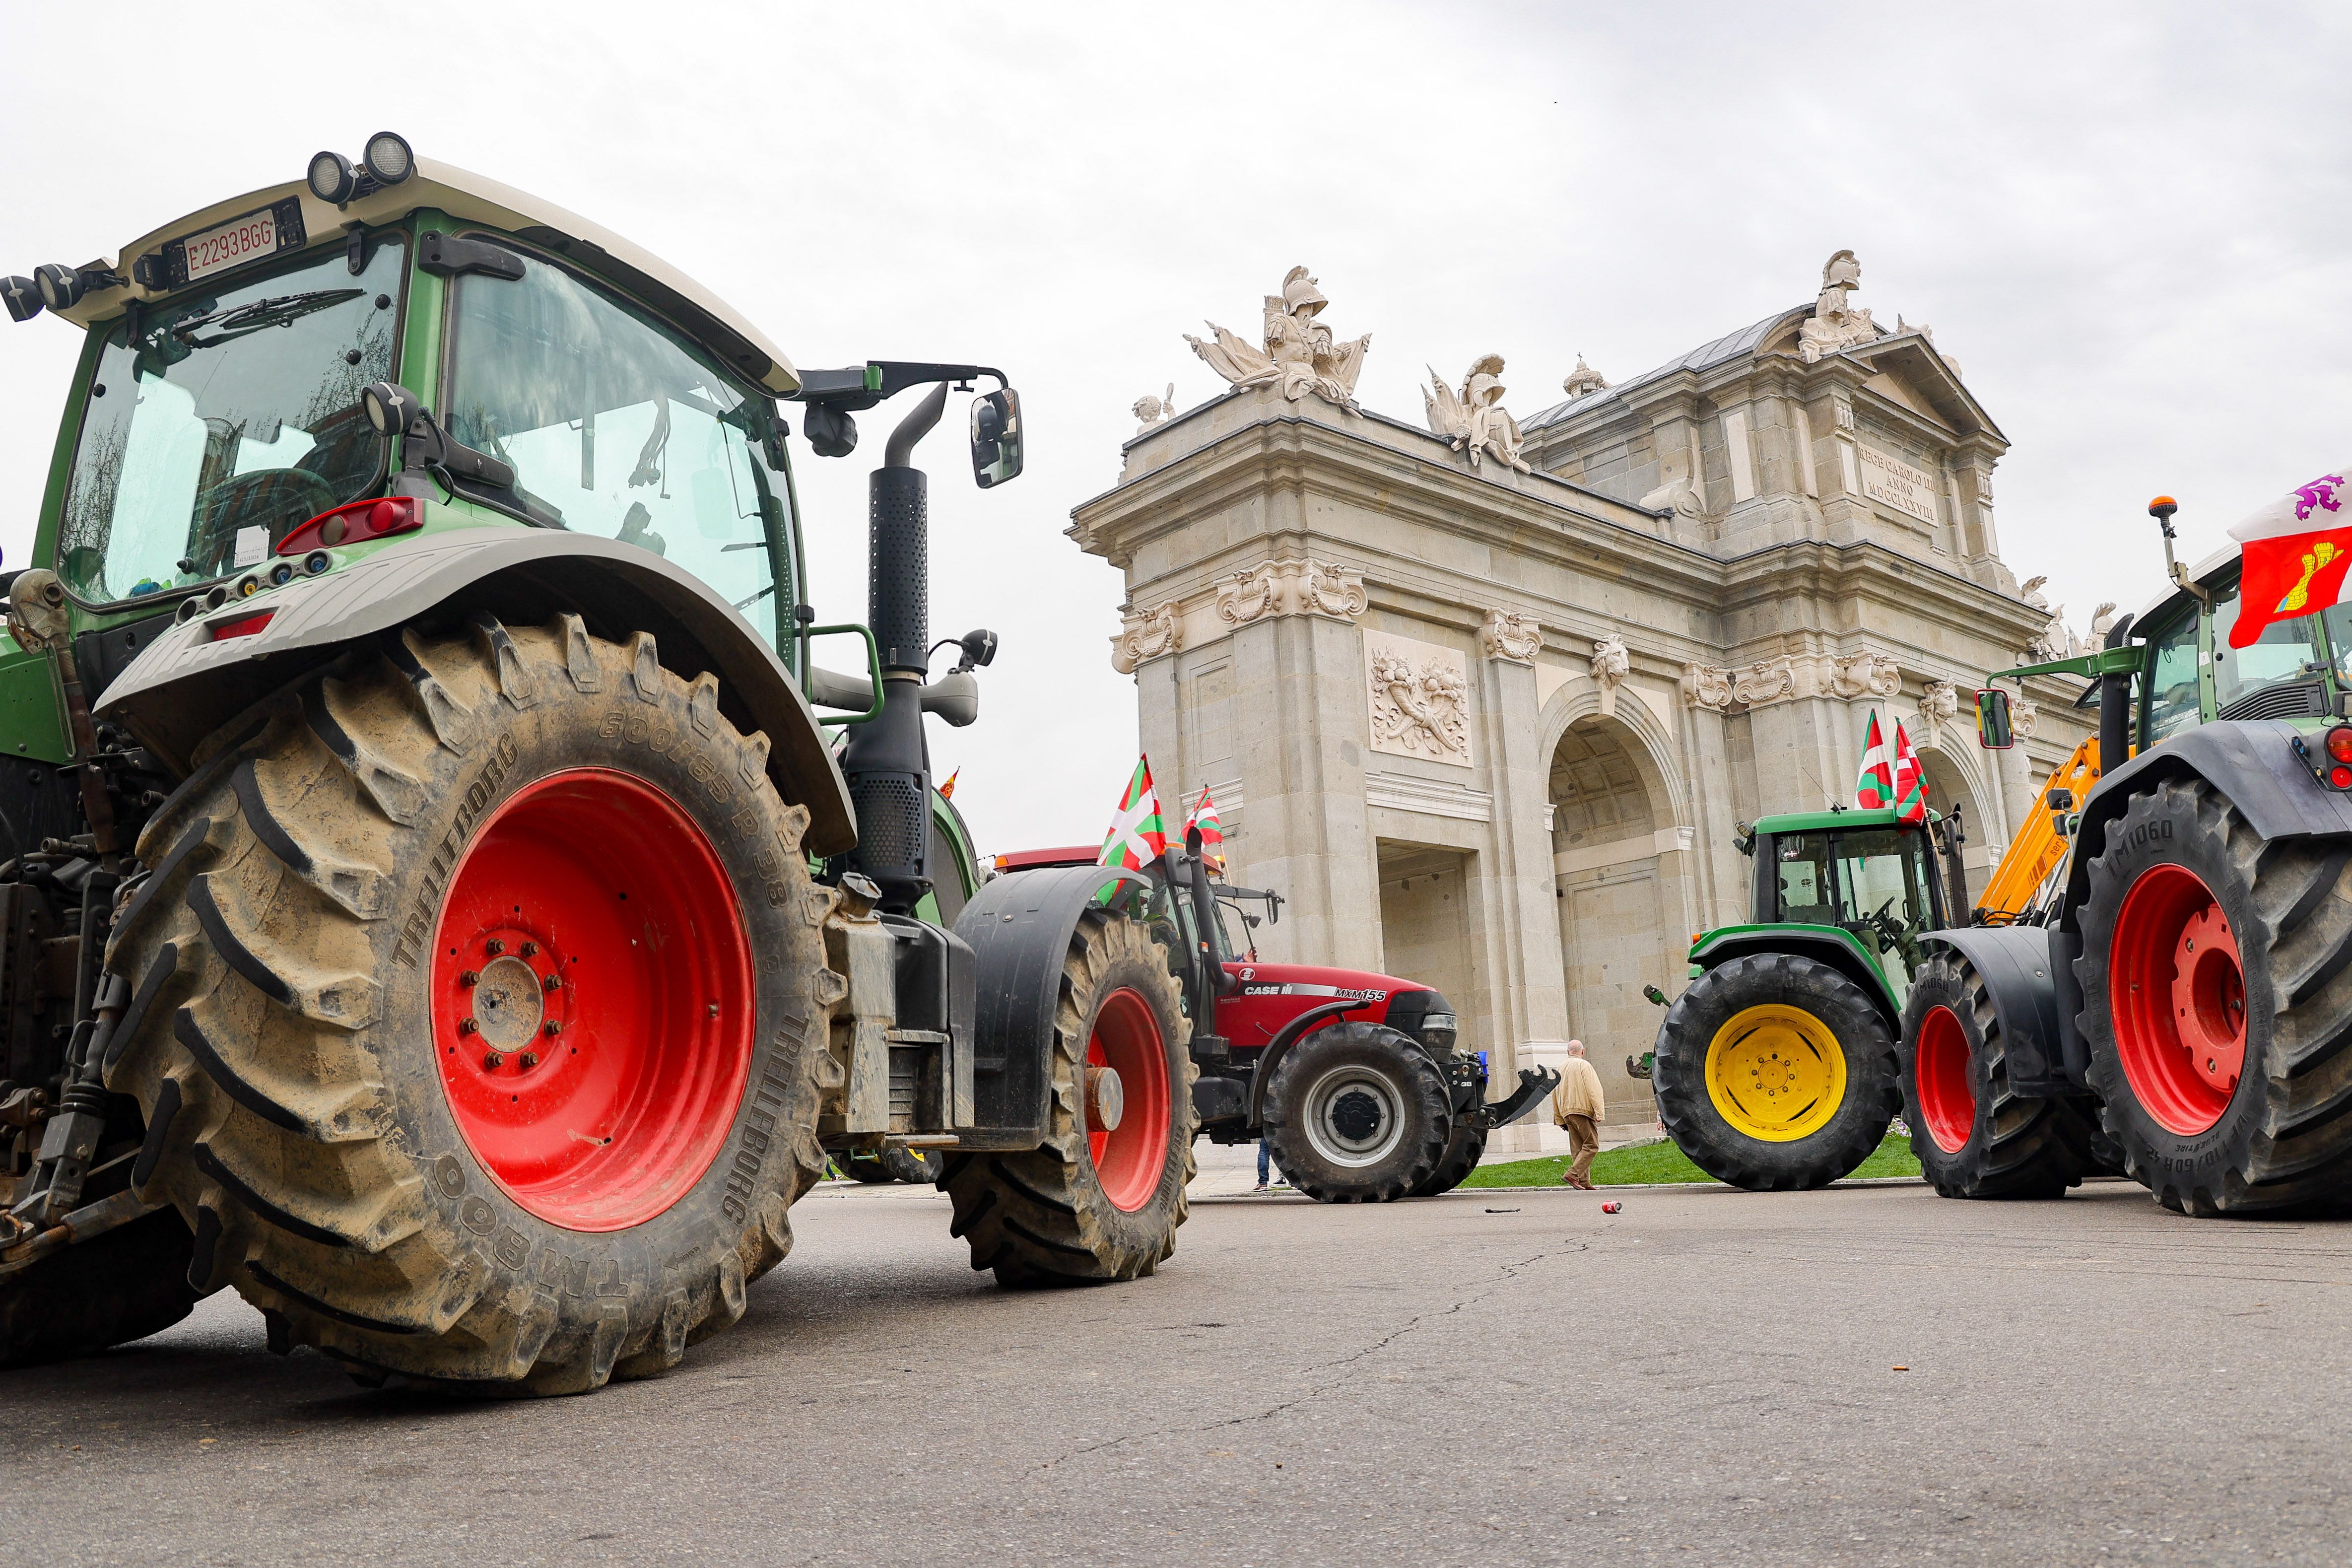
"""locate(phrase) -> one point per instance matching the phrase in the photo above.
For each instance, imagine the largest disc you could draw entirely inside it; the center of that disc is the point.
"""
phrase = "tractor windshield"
(1872, 881)
(617, 427)
(233, 417)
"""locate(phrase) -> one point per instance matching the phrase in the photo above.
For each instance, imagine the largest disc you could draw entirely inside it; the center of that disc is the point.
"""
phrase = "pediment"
(1908, 372)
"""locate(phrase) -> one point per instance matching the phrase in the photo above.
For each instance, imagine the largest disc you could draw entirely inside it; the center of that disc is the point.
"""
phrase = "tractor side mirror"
(996, 437)
(1993, 732)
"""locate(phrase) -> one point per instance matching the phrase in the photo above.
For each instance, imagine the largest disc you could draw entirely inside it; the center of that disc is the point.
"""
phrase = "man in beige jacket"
(1577, 1108)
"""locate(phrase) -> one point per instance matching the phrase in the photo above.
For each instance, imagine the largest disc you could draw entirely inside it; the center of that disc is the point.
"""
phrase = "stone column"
(1299, 749)
(1531, 998)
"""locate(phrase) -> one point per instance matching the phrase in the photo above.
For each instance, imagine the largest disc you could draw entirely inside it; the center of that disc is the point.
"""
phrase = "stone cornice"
(1869, 569)
(1407, 442)
(1304, 454)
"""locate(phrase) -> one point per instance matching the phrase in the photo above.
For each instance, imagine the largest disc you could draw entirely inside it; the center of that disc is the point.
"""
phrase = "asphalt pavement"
(1867, 1375)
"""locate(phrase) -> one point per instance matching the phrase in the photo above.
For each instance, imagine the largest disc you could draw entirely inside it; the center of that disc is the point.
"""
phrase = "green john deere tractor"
(430, 901)
(1776, 1068)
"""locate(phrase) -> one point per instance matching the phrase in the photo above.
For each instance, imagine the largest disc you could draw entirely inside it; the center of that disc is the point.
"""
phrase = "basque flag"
(2294, 554)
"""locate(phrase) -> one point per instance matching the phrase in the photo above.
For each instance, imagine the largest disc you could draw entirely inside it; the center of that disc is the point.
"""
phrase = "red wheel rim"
(1940, 1065)
(1129, 1158)
(590, 902)
(2177, 990)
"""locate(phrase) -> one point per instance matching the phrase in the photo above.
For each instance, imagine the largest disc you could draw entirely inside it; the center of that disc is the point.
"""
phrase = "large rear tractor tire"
(1775, 1073)
(121, 1285)
(1464, 1150)
(1101, 1199)
(1357, 1113)
(1974, 1137)
(2217, 1001)
(480, 1011)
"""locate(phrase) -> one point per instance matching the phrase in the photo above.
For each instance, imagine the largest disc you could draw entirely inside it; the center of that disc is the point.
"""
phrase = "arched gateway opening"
(1617, 871)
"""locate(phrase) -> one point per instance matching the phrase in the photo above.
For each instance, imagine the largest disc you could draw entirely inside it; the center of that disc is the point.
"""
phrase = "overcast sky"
(2131, 224)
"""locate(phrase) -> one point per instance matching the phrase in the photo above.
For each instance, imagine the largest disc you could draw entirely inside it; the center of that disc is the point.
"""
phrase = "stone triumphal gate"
(1487, 698)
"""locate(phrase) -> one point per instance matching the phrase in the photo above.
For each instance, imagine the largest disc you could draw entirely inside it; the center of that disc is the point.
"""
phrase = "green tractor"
(2177, 1003)
(1775, 1069)
(431, 903)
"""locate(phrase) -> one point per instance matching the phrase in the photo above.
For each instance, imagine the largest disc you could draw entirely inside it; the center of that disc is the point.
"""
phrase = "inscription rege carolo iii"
(1893, 482)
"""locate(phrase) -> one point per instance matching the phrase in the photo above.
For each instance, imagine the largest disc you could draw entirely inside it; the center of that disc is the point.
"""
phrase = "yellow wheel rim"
(1775, 1073)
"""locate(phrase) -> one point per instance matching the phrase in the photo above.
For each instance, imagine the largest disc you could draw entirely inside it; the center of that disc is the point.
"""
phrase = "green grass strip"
(1640, 1164)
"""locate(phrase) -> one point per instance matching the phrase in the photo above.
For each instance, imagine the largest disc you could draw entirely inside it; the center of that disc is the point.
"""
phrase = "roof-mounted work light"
(61, 286)
(332, 179)
(387, 160)
(23, 298)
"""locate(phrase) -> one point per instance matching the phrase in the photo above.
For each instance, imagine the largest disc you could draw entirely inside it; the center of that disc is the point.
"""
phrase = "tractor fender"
(1838, 949)
(185, 686)
(2252, 762)
(1019, 927)
(2016, 965)
(1315, 1018)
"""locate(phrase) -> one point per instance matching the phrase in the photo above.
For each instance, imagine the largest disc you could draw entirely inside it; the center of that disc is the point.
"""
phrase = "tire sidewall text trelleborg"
(494, 1294)
(1678, 1074)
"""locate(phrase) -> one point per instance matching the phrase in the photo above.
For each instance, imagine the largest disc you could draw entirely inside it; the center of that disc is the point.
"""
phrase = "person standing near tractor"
(1577, 1107)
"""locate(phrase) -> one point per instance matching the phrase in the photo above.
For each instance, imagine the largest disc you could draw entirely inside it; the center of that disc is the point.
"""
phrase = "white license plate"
(218, 249)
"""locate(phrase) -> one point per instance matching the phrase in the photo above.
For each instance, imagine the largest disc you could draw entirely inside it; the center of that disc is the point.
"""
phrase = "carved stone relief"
(1610, 665)
(1865, 674)
(1147, 633)
(1290, 588)
(1766, 680)
(1844, 676)
(1420, 698)
(2022, 716)
(1707, 686)
(1507, 634)
(1939, 700)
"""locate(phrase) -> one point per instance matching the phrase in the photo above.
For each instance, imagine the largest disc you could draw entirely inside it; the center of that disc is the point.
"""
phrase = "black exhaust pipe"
(887, 761)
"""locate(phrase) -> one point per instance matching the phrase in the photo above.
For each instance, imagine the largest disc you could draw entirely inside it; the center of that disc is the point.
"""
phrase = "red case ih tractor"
(1356, 1081)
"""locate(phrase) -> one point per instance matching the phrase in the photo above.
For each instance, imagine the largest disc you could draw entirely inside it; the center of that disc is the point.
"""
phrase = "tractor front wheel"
(1357, 1113)
(1101, 1199)
(1776, 1073)
(1973, 1136)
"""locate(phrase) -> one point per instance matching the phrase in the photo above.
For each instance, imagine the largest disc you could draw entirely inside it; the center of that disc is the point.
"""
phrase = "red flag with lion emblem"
(2294, 551)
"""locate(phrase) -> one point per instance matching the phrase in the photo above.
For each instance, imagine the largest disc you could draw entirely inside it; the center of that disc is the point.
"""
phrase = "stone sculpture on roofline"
(1474, 418)
(1836, 324)
(1300, 355)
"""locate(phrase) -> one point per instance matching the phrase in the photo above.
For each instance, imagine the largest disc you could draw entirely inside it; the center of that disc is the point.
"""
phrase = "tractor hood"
(471, 198)
(1313, 981)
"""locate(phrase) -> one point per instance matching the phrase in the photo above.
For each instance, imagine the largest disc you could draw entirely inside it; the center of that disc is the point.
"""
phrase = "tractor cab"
(1859, 884)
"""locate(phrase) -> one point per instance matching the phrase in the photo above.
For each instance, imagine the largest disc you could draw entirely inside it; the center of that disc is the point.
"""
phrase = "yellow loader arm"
(2039, 846)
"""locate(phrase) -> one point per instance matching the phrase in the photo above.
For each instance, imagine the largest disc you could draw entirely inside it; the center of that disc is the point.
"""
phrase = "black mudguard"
(1315, 1018)
(2254, 764)
(2020, 975)
(1019, 927)
(185, 685)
